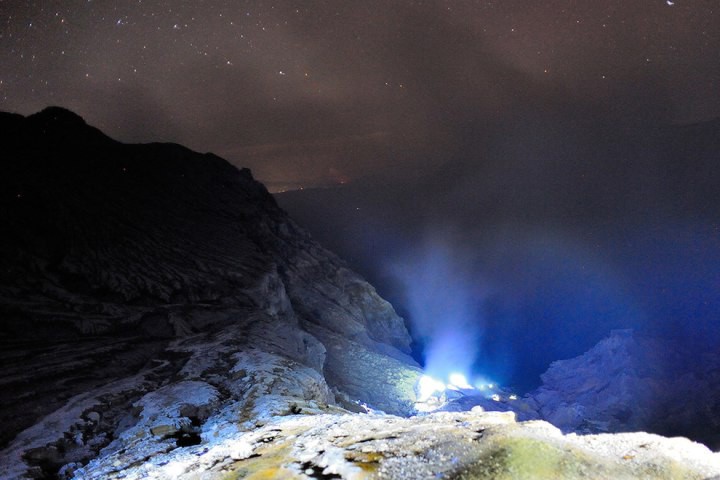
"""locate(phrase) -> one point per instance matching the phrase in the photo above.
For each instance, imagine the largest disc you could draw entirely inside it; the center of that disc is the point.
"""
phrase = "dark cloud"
(227, 77)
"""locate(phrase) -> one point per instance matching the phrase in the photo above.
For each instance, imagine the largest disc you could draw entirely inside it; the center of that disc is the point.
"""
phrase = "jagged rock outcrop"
(629, 383)
(132, 269)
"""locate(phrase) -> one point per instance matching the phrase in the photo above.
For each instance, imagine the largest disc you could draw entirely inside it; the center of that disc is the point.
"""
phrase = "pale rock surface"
(459, 445)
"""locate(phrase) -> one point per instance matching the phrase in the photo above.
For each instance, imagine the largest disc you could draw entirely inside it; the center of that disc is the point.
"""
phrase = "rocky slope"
(161, 317)
(122, 265)
(628, 383)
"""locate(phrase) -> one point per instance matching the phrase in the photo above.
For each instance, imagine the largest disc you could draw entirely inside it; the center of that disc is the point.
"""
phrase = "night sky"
(326, 92)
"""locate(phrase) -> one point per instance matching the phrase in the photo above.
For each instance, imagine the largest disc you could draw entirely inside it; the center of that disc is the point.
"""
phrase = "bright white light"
(458, 380)
(496, 397)
(427, 386)
(482, 383)
(513, 397)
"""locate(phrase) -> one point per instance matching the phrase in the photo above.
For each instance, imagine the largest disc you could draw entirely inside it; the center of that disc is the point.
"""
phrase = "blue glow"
(445, 301)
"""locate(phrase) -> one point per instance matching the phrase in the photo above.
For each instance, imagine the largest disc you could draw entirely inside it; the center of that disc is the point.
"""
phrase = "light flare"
(459, 380)
(432, 392)
(428, 386)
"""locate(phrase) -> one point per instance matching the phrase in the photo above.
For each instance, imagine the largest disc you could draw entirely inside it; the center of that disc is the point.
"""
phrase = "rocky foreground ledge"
(467, 445)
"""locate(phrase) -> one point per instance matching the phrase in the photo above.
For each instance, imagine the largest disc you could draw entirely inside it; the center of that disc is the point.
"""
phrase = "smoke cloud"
(564, 225)
(444, 298)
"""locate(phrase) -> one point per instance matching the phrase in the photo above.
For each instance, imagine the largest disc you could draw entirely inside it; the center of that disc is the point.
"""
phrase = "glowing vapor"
(444, 303)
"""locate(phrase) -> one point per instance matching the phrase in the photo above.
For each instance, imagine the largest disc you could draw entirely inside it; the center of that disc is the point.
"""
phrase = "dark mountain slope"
(119, 261)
